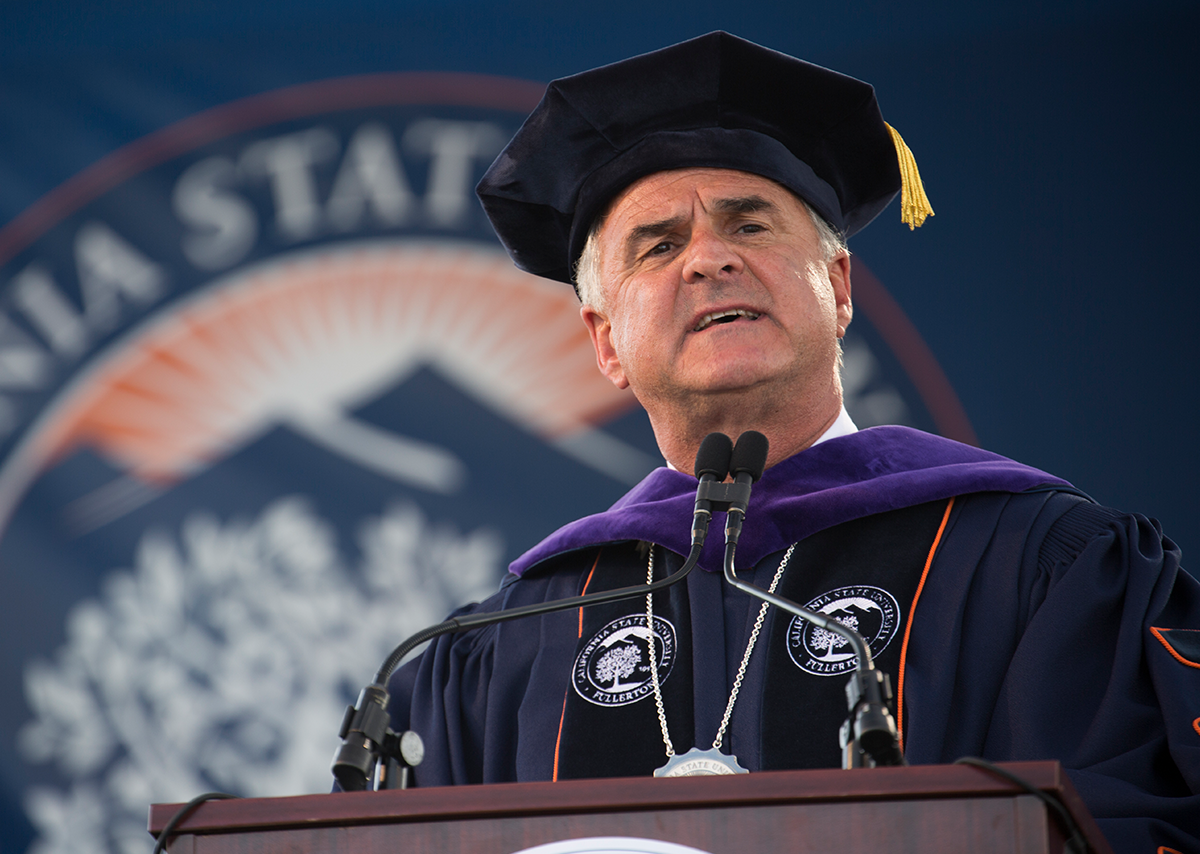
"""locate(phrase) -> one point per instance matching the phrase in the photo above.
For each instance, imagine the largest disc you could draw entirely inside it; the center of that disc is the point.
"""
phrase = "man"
(706, 218)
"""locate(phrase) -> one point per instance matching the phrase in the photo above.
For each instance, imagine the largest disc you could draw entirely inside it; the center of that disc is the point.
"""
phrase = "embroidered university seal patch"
(613, 669)
(870, 611)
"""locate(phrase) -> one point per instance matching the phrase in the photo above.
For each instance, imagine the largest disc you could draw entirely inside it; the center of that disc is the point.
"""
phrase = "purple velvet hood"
(868, 472)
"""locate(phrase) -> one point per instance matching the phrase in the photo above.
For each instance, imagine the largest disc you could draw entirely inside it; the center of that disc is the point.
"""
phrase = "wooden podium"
(941, 808)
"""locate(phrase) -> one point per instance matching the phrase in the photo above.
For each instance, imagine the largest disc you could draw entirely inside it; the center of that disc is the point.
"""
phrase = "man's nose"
(709, 256)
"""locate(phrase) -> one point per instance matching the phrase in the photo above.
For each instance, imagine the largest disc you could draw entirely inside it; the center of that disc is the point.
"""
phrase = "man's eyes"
(665, 247)
(657, 249)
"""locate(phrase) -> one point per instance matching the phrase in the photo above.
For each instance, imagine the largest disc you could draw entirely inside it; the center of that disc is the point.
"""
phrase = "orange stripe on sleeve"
(912, 609)
(1157, 632)
(586, 584)
(563, 716)
(558, 741)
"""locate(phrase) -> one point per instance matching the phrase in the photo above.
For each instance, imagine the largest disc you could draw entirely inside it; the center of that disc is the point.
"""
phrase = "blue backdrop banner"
(272, 396)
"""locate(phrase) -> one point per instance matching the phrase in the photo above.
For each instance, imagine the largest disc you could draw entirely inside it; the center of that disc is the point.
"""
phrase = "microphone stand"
(868, 737)
(366, 736)
(365, 732)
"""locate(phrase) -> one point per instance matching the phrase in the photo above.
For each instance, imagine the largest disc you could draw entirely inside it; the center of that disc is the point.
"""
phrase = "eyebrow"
(650, 230)
(733, 205)
(745, 205)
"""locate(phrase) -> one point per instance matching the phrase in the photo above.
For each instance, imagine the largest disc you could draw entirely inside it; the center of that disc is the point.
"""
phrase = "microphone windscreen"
(750, 455)
(713, 456)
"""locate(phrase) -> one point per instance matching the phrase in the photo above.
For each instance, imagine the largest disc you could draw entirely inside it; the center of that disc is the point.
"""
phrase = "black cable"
(184, 811)
(1076, 843)
(475, 620)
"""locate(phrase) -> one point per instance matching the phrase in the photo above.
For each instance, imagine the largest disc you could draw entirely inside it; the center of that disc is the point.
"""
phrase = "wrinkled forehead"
(665, 196)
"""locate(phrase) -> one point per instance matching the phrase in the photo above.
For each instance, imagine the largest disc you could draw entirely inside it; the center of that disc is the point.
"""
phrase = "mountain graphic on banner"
(341, 519)
(500, 459)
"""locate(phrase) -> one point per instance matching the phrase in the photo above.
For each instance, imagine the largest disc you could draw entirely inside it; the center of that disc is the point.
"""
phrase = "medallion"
(711, 762)
(700, 763)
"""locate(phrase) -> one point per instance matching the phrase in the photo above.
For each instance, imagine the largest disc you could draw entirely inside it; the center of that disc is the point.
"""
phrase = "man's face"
(715, 282)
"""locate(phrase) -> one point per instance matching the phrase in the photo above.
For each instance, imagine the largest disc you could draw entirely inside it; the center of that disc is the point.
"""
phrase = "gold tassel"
(914, 204)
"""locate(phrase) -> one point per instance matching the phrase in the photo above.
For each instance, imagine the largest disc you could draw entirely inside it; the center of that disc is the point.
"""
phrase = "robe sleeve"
(1074, 625)
(1093, 683)
(442, 695)
(486, 702)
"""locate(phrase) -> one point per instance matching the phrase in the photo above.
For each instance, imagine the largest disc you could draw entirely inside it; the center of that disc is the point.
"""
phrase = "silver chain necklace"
(697, 762)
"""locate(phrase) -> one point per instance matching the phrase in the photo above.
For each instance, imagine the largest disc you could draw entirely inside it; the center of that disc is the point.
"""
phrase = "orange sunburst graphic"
(302, 341)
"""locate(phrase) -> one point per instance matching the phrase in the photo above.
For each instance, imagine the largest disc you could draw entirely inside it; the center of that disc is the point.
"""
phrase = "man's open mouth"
(724, 317)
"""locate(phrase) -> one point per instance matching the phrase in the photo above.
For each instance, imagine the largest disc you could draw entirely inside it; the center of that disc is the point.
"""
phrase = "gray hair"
(590, 289)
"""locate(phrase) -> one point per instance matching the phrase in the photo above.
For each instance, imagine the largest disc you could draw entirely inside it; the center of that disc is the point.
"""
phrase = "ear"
(839, 278)
(600, 330)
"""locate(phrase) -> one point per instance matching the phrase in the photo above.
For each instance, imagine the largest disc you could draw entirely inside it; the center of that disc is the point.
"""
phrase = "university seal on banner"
(613, 668)
(870, 611)
(267, 395)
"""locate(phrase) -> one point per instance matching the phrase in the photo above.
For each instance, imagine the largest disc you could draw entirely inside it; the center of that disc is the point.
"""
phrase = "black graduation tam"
(714, 101)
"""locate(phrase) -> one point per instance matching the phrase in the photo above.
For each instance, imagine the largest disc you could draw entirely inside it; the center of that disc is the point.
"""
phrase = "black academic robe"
(1028, 625)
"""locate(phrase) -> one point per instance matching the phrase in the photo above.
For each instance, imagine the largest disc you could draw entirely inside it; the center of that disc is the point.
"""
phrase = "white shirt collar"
(843, 425)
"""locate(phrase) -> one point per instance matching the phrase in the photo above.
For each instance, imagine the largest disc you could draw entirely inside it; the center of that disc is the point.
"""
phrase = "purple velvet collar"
(868, 472)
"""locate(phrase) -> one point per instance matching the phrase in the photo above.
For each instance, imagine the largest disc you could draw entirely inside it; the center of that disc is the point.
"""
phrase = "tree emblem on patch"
(613, 668)
(870, 611)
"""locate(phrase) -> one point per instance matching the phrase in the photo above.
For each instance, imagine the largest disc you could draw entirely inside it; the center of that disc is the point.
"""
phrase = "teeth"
(709, 319)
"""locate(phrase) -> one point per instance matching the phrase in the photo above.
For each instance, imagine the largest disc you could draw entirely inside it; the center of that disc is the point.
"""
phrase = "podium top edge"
(614, 794)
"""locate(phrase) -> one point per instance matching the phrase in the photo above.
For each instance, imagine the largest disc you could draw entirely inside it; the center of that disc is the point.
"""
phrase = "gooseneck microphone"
(712, 465)
(747, 464)
(868, 737)
(365, 732)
